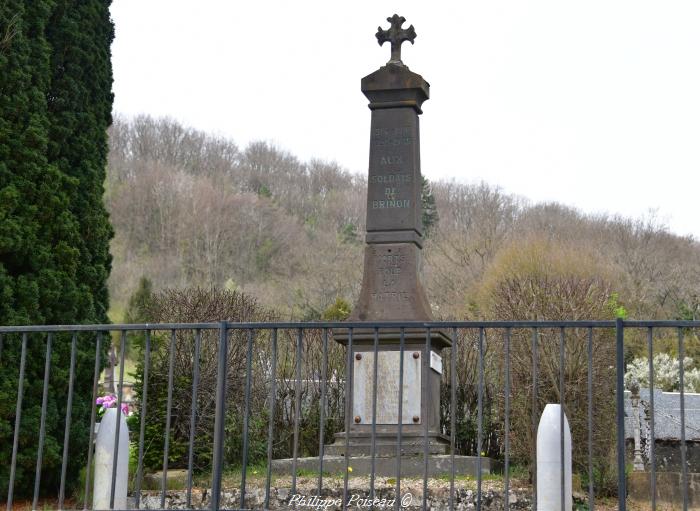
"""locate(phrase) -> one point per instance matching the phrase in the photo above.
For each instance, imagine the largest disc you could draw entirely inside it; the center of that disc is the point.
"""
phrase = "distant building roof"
(667, 415)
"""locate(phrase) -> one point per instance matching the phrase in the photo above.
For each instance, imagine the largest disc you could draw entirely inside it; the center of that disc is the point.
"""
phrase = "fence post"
(554, 483)
(620, 393)
(219, 418)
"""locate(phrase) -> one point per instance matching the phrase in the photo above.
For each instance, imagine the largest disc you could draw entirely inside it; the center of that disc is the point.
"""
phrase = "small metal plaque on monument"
(391, 284)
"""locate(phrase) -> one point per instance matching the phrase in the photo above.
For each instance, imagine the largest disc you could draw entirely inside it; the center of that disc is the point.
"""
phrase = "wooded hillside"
(190, 208)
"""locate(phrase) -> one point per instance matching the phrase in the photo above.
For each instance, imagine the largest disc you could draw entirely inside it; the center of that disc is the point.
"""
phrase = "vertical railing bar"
(168, 412)
(591, 492)
(297, 411)
(18, 419)
(142, 412)
(115, 460)
(271, 425)
(562, 464)
(66, 432)
(348, 413)
(480, 418)
(373, 436)
(246, 415)
(681, 375)
(506, 492)
(620, 403)
(1, 344)
(534, 416)
(424, 412)
(322, 409)
(220, 417)
(652, 417)
(402, 342)
(42, 421)
(453, 414)
(93, 413)
(193, 414)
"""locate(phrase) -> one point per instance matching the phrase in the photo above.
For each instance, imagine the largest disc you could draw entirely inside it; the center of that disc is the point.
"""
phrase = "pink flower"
(107, 401)
(125, 409)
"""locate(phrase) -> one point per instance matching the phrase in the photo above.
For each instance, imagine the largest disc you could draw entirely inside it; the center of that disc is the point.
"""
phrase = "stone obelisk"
(391, 284)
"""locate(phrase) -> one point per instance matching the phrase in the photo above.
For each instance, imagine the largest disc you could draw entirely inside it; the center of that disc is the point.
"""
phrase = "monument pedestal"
(422, 374)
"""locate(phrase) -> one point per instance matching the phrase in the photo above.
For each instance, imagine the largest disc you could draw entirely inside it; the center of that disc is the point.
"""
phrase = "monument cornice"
(395, 86)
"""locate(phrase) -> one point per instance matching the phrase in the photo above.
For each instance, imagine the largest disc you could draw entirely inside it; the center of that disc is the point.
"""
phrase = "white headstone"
(549, 461)
(104, 459)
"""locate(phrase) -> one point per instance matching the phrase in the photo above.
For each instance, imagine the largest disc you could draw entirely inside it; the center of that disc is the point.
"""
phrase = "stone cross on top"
(396, 35)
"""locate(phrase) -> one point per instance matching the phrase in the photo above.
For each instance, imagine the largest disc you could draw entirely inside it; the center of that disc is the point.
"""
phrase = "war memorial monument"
(392, 291)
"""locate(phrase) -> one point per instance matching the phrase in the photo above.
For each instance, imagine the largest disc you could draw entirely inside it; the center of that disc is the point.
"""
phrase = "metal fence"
(507, 350)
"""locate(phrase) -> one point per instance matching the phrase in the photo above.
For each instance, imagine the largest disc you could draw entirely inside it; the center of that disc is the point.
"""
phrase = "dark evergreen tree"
(430, 213)
(136, 312)
(80, 111)
(136, 309)
(53, 229)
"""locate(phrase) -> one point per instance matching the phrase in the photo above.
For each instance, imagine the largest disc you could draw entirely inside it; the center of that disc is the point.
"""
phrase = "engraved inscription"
(389, 267)
(391, 160)
(401, 296)
(382, 137)
(386, 204)
(393, 259)
(389, 179)
(390, 202)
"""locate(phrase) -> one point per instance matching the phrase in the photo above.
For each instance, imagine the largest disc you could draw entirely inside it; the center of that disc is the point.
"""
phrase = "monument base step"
(387, 449)
(439, 465)
(386, 442)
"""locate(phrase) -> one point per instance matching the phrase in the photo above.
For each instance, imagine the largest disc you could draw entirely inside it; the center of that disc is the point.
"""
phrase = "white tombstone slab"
(104, 459)
(549, 461)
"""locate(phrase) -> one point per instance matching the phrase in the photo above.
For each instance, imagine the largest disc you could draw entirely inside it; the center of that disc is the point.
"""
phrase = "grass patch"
(256, 474)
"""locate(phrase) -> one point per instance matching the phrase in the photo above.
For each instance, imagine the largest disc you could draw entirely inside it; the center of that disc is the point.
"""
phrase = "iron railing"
(252, 339)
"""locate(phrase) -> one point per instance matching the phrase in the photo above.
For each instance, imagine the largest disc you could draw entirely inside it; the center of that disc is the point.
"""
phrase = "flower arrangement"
(108, 401)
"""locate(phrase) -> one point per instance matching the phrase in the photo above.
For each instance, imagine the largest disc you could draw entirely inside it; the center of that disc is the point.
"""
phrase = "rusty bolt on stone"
(357, 419)
(358, 356)
(416, 354)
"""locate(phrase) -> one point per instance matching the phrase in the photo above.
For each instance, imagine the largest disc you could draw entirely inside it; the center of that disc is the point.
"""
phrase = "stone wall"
(281, 498)
(669, 488)
(668, 455)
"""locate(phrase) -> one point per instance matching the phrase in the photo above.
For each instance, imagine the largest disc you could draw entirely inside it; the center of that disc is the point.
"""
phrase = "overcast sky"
(593, 104)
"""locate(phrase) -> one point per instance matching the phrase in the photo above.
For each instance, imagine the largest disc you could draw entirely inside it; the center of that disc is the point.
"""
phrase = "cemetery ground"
(307, 484)
(521, 489)
(385, 487)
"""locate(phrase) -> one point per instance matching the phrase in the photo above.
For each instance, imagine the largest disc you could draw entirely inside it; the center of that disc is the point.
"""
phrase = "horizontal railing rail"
(350, 324)
(219, 399)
